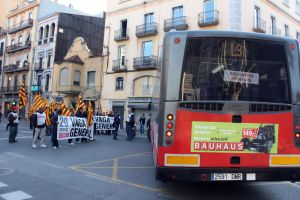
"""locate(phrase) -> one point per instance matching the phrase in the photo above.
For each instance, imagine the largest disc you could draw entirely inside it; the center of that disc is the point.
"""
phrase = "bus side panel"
(183, 139)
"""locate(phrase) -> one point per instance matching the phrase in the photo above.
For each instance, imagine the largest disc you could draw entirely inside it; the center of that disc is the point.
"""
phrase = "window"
(47, 32)
(12, 42)
(47, 82)
(52, 30)
(41, 32)
(273, 25)
(1, 48)
(30, 15)
(257, 17)
(21, 22)
(177, 14)
(41, 62)
(121, 57)
(24, 78)
(77, 75)
(146, 85)
(91, 76)
(20, 41)
(39, 80)
(49, 61)
(286, 2)
(16, 82)
(119, 83)
(64, 77)
(209, 7)
(147, 48)
(148, 21)
(124, 28)
(286, 31)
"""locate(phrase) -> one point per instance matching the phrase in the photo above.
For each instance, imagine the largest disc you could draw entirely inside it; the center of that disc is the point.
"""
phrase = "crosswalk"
(13, 195)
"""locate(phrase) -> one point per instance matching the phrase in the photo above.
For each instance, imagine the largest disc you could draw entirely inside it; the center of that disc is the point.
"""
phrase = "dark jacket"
(142, 120)
(117, 120)
(132, 120)
(54, 120)
(11, 119)
(149, 123)
(80, 114)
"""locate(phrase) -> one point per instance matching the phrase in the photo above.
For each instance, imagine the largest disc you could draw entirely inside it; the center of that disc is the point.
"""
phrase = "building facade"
(79, 73)
(135, 30)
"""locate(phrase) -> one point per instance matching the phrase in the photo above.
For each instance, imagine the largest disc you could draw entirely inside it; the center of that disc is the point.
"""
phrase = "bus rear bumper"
(207, 174)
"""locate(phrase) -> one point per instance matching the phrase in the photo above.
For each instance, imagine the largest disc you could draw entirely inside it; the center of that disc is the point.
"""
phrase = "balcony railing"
(146, 62)
(178, 23)
(119, 65)
(12, 89)
(121, 35)
(208, 18)
(259, 25)
(2, 32)
(69, 89)
(15, 68)
(21, 26)
(38, 67)
(146, 29)
(17, 47)
(51, 39)
(143, 100)
(275, 31)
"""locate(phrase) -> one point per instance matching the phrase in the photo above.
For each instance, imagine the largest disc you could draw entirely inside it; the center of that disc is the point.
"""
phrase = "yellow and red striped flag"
(45, 103)
(53, 105)
(30, 111)
(48, 120)
(38, 102)
(90, 115)
(22, 96)
(65, 110)
(80, 104)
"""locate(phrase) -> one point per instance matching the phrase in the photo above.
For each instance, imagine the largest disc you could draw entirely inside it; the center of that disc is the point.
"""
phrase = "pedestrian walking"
(117, 121)
(149, 128)
(13, 122)
(54, 123)
(142, 124)
(40, 128)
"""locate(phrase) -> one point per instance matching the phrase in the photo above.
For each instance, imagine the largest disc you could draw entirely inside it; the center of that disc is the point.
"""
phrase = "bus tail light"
(169, 125)
(297, 135)
(170, 117)
(169, 133)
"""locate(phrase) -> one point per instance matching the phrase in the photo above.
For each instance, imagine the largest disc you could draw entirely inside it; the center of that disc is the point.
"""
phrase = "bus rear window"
(234, 70)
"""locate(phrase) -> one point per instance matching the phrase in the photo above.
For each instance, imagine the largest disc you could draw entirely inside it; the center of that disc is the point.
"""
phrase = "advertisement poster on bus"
(73, 127)
(219, 137)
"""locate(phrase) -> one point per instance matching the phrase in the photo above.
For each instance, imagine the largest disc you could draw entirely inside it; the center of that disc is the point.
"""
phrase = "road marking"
(115, 170)
(295, 185)
(2, 185)
(18, 195)
(101, 179)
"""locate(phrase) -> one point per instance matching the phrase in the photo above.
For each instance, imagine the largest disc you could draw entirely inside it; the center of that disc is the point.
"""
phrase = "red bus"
(229, 108)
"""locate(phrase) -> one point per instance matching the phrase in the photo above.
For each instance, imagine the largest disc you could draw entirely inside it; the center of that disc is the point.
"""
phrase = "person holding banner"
(54, 123)
(117, 121)
(40, 128)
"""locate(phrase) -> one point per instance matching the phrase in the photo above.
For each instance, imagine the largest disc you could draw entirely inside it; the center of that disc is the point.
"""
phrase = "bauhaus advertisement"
(220, 137)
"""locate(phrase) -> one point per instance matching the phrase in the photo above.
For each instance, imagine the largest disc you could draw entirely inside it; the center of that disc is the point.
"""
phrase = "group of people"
(38, 124)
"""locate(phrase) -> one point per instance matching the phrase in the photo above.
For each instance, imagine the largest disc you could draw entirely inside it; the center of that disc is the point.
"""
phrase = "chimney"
(70, 5)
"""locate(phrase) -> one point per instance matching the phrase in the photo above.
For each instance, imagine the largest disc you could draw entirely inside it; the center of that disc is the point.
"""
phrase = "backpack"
(131, 119)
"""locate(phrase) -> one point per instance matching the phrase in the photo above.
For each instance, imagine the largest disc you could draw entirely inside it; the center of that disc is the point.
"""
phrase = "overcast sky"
(88, 6)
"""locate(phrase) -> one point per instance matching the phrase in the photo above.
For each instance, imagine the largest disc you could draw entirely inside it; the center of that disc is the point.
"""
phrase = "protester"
(131, 123)
(0, 116)
(149, 128)
(54, 123)
(117, 121)
(13, 122)
(40, 128)
(110, 114)
(142, 124)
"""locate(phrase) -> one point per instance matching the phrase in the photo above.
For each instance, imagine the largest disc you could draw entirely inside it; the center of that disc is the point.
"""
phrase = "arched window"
(52, 30)
(47, 32)
(77, 75)
(64, 77)
(20, 40)
(119, 84)
(41, 32)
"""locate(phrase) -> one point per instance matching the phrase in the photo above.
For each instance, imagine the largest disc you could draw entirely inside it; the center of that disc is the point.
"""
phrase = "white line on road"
(295, 185)
(18, 195)
(15, 154)
(2, 185)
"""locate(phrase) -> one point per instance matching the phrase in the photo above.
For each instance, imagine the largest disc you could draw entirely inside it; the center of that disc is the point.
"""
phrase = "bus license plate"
(227, 177)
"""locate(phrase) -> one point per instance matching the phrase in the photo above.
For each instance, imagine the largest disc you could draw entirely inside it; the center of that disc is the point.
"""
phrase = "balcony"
(179, 23)
(21, 26)
(145, 30)
(275, 31)
(259, 25)
(69, 89)
(51, 39)
(17, 47)
(121, 35)
(119, 65)
(15, 68)
(38, 67)
(12, 89)
(146, 62)
(208, 18)
(2, 32)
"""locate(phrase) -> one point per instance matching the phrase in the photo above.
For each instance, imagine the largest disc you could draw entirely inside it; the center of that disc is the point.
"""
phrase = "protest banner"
(102, 123)
(73, 127)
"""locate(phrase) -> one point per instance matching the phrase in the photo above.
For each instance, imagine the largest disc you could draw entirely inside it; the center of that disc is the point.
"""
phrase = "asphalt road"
(107, 169)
